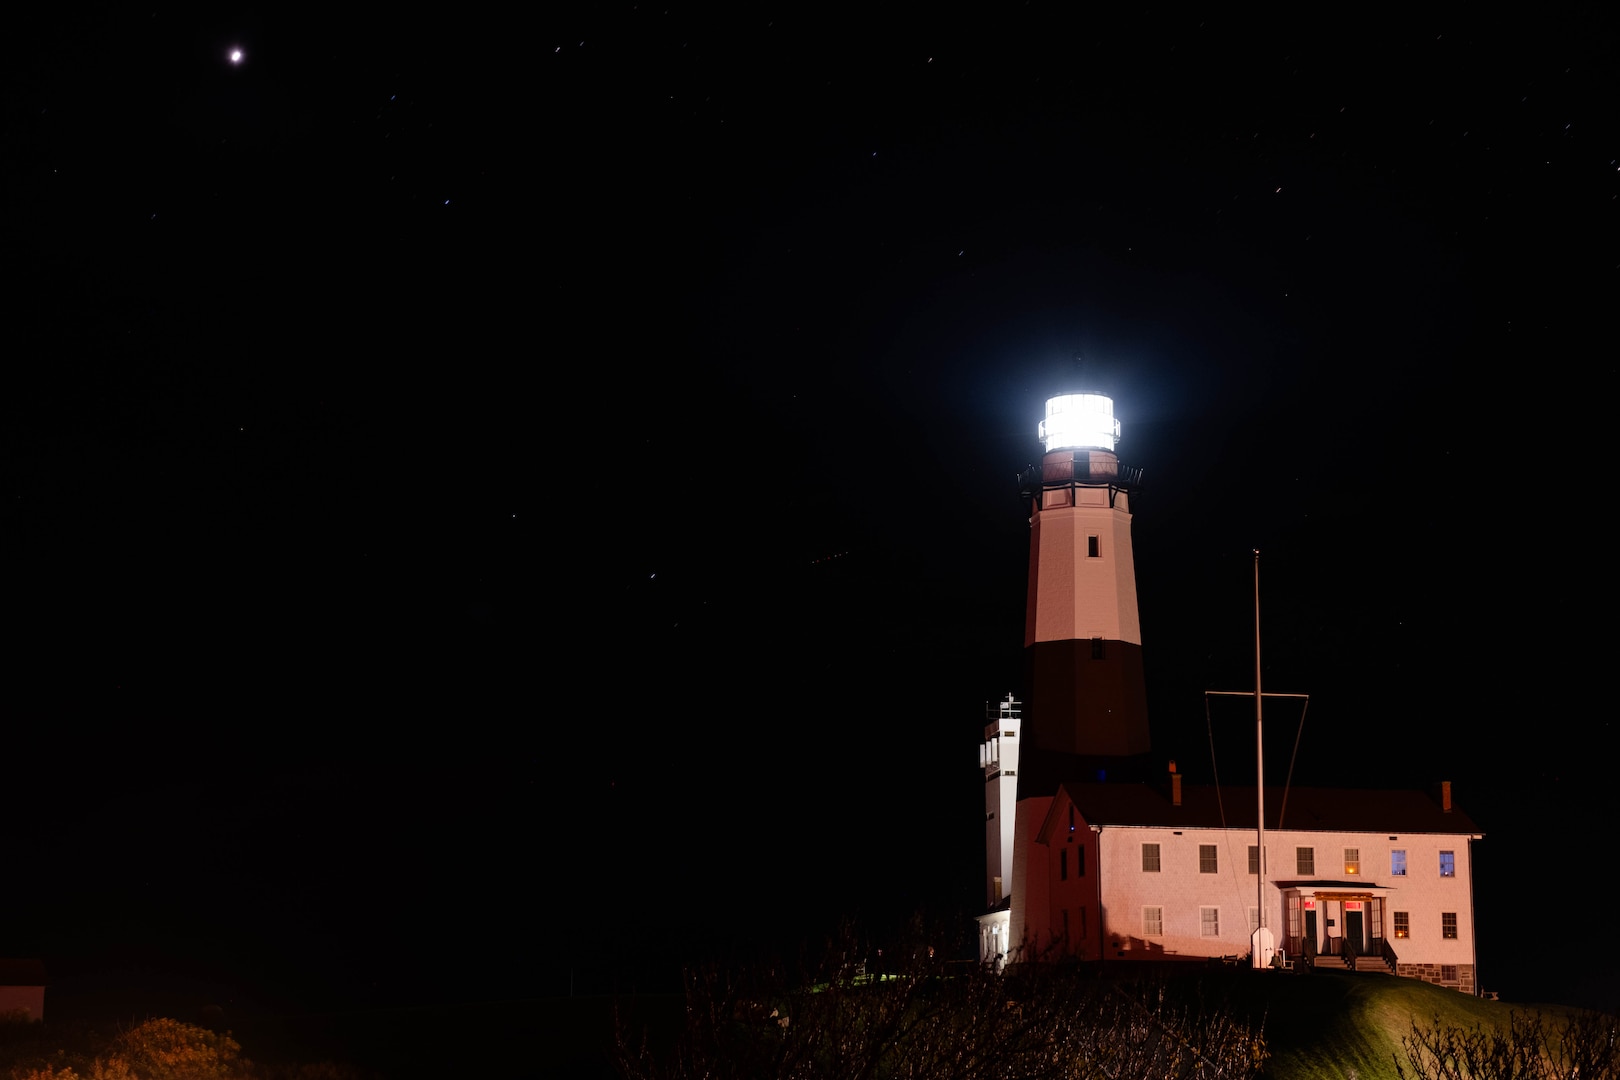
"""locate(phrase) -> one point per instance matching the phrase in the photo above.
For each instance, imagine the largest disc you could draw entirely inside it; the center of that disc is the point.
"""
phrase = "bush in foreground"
(1585, 1046)
(921, 1018)
(160, 1049)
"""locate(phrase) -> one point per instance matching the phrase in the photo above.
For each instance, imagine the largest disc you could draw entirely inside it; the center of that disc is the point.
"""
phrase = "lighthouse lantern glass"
(1079, 421)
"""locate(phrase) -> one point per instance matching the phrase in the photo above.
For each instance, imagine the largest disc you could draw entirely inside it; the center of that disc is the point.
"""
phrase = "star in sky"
(235, 56)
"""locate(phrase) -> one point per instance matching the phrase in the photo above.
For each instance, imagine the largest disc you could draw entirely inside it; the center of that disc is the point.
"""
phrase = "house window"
(1448, 973)
(1254, 859)
(1448, 924)
(1448, 864)
(1254, 920)
(1082, 922)
(1305, 860)
(1079, 862)
(1352, 860)
(1403, 924)
(1091, 547)
(1152, 922)
(1150, 858)
(1063, 869)
(1208, 861)
(1397, 863)
(1209, 921)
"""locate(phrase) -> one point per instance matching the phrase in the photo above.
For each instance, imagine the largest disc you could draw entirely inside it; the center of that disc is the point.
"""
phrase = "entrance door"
(1310, 932)
(1352, 930)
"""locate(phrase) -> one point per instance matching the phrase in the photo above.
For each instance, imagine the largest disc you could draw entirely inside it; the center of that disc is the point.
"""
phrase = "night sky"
(486, 500)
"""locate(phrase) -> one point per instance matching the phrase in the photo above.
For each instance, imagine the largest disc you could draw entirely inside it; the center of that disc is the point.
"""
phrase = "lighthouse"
(1085, 714)
(1082, 635)
(1090, 856)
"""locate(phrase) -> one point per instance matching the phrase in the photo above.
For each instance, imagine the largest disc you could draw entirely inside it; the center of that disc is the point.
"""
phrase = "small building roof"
(1306, 809)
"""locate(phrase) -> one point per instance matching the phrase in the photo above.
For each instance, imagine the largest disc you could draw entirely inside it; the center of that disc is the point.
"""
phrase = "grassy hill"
(1338, 1024)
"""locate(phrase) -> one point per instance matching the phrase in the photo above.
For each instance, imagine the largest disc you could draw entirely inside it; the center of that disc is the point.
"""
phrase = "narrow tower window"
(1091, 547)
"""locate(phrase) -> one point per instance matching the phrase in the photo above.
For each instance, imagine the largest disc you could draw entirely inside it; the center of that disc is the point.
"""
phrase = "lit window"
(1448, 924)
(1208, 861)
(1448, 864)
(1305, 860)
(1209, 921)
(1397, 863)
(1403, 925)
(1150, 858)
(1352, 860)
(1153, 922)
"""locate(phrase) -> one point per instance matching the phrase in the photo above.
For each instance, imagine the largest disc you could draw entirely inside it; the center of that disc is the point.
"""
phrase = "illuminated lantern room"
(1079, 422)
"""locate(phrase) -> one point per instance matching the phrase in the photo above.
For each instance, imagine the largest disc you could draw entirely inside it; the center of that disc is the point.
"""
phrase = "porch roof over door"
(1335, 890)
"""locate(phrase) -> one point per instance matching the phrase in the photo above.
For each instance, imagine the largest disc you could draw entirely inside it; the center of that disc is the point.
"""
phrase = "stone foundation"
(1432, 973)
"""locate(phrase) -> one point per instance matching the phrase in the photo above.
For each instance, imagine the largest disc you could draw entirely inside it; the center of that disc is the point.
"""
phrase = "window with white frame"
(1305, 860)
(1448, 973)
(1448, 924)
(1208, 859)
(1209, 921)
(1448, 864)
(1254, 920)
(1150, 858)
(1153, 922)
(1352, 860)
(1397, 863)
(1254, 858)
(1403, 924)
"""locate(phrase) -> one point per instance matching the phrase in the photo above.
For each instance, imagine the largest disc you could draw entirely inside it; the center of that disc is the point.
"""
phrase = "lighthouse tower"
(1082, 637)
(1085, 713)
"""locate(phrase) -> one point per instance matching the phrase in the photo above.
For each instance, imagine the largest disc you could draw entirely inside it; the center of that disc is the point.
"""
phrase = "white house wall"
(1180, 890)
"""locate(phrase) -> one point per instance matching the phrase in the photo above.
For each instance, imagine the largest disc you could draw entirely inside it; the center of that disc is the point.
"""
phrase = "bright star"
(235, 56)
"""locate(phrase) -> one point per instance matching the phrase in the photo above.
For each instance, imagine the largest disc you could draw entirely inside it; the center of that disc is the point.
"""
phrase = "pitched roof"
(1306, 809)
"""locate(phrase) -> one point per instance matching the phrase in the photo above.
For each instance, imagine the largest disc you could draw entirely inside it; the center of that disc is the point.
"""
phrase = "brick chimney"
(1175, 785)
(1445, 796)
